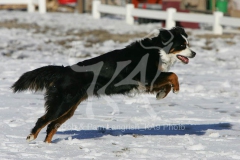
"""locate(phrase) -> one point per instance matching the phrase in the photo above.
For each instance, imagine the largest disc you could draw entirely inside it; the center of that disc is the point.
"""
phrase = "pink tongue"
(183, 59)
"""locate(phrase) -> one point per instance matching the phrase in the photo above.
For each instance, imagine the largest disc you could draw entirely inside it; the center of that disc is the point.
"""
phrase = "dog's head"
(175, 45)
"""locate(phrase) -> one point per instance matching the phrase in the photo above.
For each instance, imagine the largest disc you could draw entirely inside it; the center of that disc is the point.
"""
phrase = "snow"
(200, 122)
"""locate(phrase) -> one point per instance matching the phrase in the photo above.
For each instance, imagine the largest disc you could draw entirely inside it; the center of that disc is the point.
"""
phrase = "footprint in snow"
(14, 122)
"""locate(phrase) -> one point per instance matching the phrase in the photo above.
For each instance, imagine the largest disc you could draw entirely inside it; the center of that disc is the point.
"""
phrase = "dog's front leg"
(164, 83)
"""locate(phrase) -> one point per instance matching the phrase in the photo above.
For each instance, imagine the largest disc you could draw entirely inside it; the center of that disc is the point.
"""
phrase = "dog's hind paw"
(30, 138)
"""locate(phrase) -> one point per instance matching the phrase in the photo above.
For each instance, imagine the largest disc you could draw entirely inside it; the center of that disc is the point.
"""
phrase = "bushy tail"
(38, 79)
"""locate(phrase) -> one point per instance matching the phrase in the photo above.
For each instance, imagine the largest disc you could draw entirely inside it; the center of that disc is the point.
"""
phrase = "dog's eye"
(183, 46)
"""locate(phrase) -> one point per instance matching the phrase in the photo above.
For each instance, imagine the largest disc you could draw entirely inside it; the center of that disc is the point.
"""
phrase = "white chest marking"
(168, 60)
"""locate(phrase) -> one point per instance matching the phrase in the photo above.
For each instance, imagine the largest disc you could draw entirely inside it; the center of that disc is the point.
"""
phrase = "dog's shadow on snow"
(172, 130)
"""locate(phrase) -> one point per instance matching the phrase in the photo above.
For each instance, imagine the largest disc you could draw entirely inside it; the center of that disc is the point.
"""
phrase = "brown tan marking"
(54, 125)
(174, 52)
(163, 80)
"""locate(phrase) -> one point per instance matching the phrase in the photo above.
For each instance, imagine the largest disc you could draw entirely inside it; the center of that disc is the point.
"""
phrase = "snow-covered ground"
(201, 122)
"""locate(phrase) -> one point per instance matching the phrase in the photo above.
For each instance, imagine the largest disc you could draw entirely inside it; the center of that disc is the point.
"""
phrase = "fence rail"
(149, 14)
(193, 17)
(30, 4)
(230, 21)
(170, 16)
(112, 9)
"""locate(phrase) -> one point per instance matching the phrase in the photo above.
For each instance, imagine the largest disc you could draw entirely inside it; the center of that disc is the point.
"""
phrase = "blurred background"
(228, 7)
(102, 22)
(36, 33)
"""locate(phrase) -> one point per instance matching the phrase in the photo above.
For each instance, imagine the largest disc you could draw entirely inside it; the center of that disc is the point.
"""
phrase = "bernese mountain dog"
(139, 67)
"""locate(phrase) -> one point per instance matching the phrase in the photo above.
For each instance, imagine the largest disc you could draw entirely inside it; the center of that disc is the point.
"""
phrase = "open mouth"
(185, 60)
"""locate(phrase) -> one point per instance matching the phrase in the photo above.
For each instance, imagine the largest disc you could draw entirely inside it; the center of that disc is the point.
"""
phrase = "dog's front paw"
(161, 94)
(175, 91)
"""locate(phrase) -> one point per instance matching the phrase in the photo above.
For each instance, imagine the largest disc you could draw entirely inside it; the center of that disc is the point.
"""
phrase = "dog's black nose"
(193, 54)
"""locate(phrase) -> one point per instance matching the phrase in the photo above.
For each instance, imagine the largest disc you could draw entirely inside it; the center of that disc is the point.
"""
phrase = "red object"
(167, 4)
(176, 4)
(144, 6)
(66, 1)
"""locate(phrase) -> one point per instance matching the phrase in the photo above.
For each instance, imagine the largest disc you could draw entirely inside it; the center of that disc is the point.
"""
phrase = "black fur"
(41, 78)
(65, 86)
(38, 79)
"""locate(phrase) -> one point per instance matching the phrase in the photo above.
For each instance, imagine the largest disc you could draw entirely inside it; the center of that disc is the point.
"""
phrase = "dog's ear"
(180, 30)
(165, 35)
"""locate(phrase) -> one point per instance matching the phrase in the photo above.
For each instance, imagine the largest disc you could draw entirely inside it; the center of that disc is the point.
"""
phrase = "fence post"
(217, 28)
(30, 6)
(95, 13)
(170, 22)
(42, 6)
(129, 17)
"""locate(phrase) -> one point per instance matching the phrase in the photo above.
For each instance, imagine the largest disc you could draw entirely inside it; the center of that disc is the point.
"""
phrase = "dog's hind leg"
(51, 114)
(54, 125)
(54, 112)
(41, 123)
(57, 104)
(53, 101)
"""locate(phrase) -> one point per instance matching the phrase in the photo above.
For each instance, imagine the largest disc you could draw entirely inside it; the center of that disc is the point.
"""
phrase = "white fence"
(170, 16)
(30, 4)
